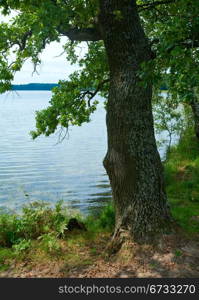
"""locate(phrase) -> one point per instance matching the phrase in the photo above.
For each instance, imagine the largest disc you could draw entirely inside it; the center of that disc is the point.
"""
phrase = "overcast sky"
(53, 66)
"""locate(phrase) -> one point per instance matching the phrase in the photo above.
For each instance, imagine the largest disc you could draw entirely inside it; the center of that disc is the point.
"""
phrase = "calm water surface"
(44, 170)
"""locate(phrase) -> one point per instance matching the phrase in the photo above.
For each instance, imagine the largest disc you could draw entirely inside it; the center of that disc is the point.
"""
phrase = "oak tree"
(120, 65)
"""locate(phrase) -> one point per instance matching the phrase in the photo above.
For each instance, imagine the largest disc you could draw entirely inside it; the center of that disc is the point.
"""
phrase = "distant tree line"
(34, 87)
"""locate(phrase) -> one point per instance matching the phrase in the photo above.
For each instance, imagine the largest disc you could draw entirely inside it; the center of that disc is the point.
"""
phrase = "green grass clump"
(107, 218)
(6, 254)
(104, 222)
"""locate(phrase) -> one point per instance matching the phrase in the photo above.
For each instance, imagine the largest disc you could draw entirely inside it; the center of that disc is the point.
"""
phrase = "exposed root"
(123, 239)
(119, 239)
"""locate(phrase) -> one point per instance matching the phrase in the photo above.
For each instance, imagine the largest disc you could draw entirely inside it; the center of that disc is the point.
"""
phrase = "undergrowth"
(182, 181)
(40, 232)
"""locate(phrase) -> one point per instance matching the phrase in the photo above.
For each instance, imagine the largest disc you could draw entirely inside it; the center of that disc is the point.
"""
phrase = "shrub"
(36, 220)
(21, 246)
(49, 243)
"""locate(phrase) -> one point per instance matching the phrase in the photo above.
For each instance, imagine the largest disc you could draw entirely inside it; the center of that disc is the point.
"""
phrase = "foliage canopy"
(172, 27)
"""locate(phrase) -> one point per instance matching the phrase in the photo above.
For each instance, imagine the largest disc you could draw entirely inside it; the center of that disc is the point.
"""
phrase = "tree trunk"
(195, 111)
(132, 160)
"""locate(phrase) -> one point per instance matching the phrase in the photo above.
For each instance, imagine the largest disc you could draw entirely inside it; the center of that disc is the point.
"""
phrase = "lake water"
(44, 170)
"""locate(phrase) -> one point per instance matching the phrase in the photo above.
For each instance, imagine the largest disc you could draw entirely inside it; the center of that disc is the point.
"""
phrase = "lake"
(44, 169)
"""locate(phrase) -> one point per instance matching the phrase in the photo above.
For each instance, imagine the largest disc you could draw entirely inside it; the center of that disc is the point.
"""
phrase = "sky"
(53, 67)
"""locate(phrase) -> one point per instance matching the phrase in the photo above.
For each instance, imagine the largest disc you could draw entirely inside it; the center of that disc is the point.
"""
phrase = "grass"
(39, 234)
(182, 184)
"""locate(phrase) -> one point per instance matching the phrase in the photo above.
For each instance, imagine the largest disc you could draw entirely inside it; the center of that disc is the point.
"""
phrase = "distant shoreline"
(34, 87)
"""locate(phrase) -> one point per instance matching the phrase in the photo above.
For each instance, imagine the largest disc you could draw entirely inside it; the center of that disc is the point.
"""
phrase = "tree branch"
(82, 35)
(22, 43)
(154, 4)
(90, 94)
(99, 87)
(186, 43)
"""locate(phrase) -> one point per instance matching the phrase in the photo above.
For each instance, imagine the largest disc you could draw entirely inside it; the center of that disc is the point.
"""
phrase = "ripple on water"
(71, 171)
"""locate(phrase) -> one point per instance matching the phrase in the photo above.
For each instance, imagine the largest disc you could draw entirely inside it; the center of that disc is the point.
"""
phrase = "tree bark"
(132, 160)
(195, 111)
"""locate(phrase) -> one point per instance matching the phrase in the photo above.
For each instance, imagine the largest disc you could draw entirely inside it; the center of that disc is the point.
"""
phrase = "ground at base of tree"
(176, 256)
